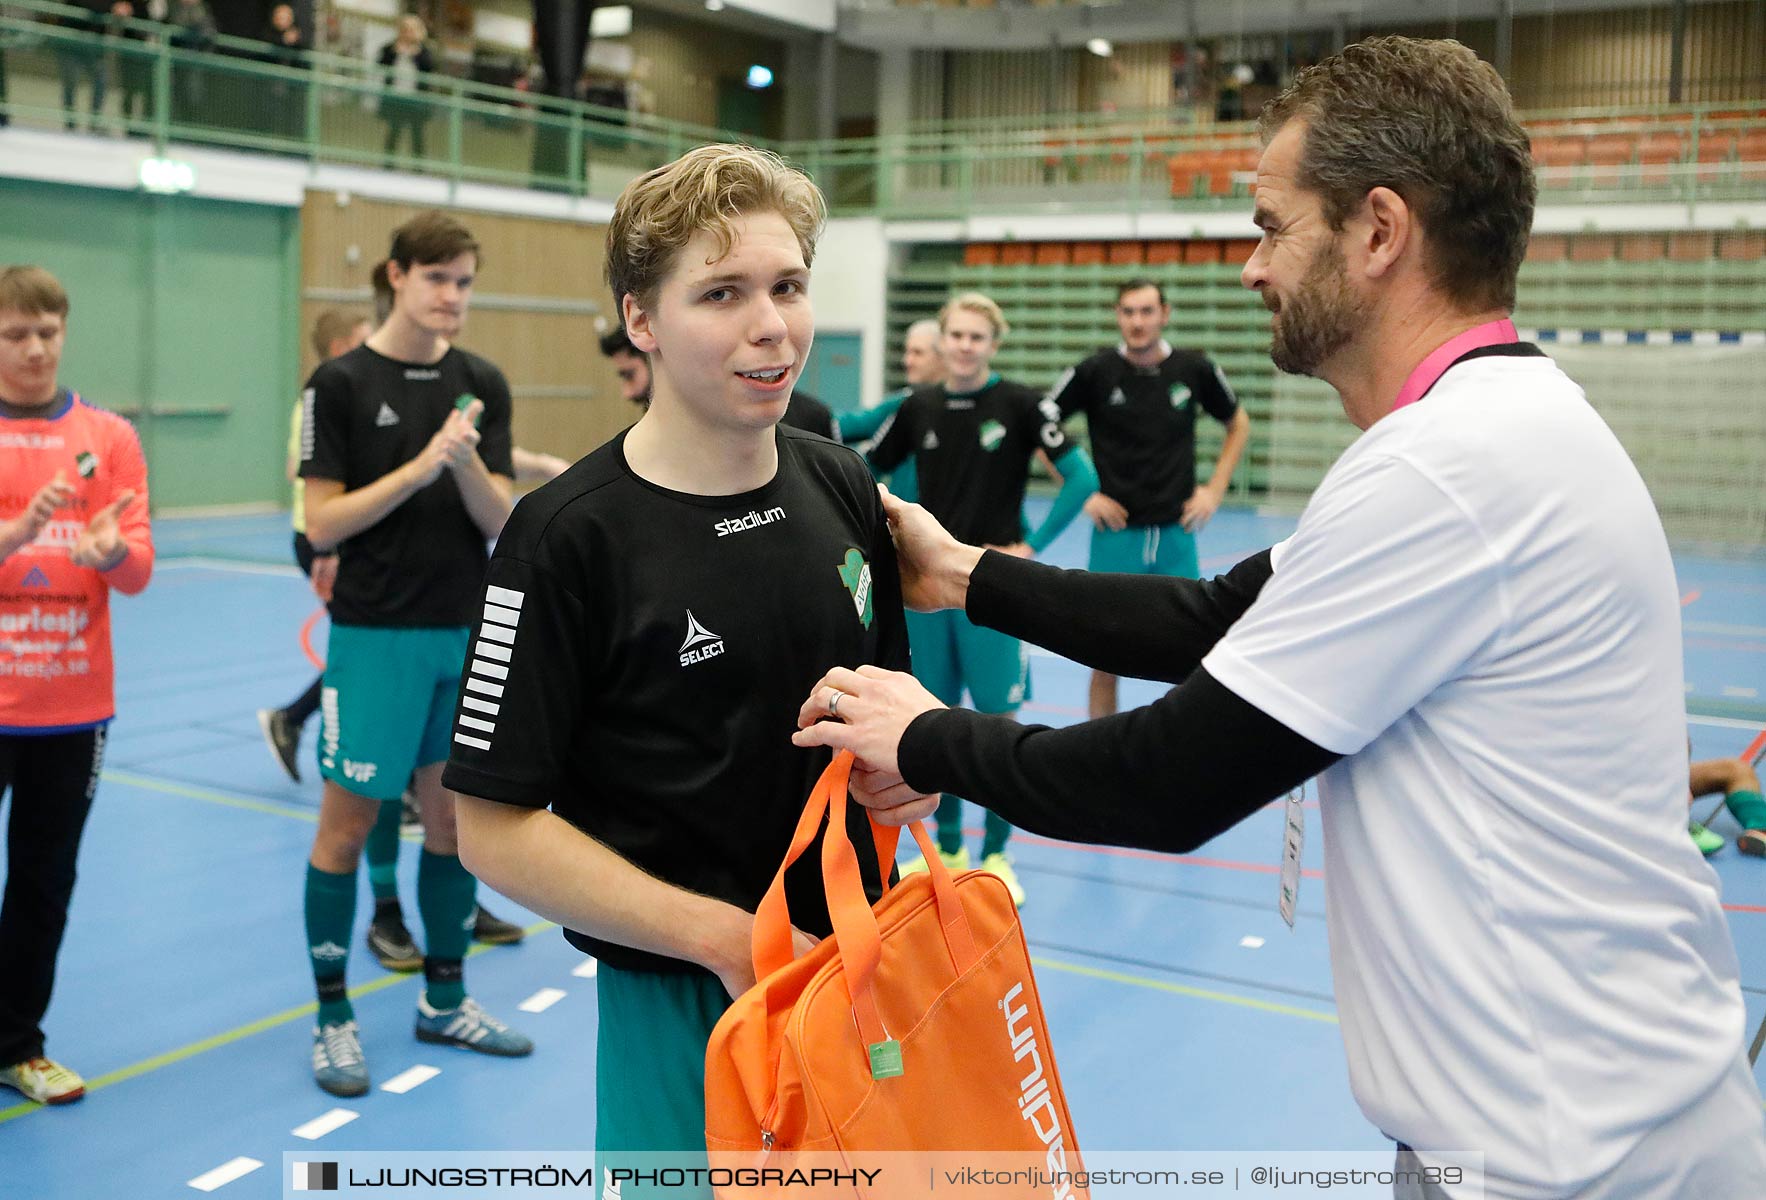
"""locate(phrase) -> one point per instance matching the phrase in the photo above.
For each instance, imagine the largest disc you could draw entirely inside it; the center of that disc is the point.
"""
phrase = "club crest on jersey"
(855, 573)
(701, 642)
(86, 463)
(993, 434)
(1180, 395)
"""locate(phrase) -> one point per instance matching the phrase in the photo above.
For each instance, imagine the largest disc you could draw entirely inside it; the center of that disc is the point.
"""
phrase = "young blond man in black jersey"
(652, 617)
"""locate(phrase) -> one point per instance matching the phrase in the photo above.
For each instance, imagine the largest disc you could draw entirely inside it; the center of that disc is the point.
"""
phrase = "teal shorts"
(1145, 550)
(387, 707)
(650, 1065)
(952, 653)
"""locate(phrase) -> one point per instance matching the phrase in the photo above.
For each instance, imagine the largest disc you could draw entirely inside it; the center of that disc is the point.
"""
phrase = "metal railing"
(330, 108)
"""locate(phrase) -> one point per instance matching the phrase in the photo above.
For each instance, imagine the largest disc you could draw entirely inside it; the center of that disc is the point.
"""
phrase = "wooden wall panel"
(536, 306)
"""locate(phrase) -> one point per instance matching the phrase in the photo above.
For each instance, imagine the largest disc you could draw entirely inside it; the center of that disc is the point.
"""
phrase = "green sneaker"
(957, 861)
(1707, 842)
(999, 864)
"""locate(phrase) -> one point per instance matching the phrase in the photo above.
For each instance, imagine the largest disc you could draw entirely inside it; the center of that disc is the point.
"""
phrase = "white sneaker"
(44, 1081)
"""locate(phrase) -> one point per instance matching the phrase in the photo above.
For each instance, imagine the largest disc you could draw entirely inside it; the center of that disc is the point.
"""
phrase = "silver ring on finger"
(834, 703)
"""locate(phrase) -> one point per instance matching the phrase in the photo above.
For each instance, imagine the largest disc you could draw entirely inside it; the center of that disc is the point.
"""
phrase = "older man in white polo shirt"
(1473, 637)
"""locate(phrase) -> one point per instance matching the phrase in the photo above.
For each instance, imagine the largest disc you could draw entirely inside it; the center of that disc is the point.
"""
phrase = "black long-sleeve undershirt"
(1166, 777)
(1142, 626)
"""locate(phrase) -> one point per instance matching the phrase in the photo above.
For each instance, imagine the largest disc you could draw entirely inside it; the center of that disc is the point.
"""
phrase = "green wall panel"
(185, 319)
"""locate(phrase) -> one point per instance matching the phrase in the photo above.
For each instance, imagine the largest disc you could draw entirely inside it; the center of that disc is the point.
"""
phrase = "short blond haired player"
(622, 746)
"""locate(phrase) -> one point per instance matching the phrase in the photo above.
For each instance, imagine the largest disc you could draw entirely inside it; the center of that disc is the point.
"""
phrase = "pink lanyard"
(1493, 333)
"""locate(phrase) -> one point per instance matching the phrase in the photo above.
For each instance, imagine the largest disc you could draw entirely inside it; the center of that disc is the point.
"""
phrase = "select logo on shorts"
(315, 1177)
(855, 573)
(701, 642)
(992, 435)
(482, 700)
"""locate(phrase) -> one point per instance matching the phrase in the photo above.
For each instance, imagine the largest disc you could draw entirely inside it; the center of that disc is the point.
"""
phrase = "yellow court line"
(149, 783)
(1178, 989)
(130, 779)
(147, 1065)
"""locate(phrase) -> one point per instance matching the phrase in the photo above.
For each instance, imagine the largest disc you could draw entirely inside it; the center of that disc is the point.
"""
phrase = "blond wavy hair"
(976, 302)
(704, 190)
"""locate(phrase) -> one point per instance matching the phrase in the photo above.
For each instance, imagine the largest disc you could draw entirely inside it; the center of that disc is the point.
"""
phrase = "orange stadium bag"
(915, 1027)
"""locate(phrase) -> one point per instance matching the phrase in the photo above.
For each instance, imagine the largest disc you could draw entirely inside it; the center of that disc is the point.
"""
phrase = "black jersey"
(972, 451)
(1143, 425)
(806, 412)
(644, 654)
(364, 415)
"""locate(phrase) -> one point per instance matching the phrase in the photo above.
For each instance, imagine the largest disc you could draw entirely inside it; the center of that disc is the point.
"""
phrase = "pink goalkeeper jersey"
(55, 664)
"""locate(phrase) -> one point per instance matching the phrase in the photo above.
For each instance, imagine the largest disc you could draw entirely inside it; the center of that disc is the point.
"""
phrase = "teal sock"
(950, 823)
(447, 895)
(995, 831)
(331, 911)
(383, 852)
(1748, 808)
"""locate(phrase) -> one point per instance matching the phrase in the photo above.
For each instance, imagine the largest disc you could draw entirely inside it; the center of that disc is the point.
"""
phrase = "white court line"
(224, 1174)
(404, 1081)
(224, 564)
(586, 969)
(541, 1000)
(1724, 723)
(1741, 693)
(1251, 941)
(318, 1127)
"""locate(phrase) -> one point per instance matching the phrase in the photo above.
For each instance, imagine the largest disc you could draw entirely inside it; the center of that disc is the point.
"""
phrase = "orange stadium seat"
(981, 254)
(1692, 247)
(1593, 248)
(1086, 254)
(1659, 153)
(1202, 250)
(1548, 247)
(1017, 254)
(1746, 247)
(1053, 254)
(1125, 254)
(1751, 154)
(1237, 251)
(1161, 253)
(1642, 247)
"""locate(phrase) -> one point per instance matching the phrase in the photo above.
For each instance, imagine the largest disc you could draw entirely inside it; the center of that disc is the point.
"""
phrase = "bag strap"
(856, 935)
(855, 924)
(771, 946)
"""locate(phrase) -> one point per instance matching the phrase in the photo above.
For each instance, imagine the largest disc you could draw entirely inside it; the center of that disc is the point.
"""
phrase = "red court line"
(1751, 755)
(1690, 597)
(306, 639)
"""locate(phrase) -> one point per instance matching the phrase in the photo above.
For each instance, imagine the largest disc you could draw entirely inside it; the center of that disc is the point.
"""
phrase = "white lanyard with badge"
(1492, 333)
